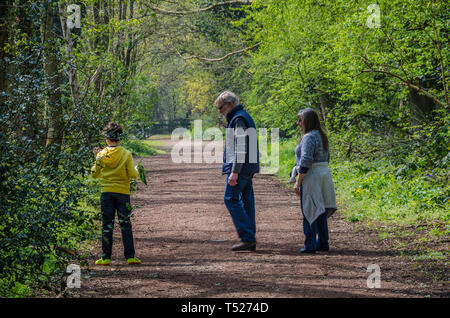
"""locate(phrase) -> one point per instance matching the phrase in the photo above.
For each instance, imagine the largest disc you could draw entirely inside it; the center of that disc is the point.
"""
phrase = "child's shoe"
(133, 261)
(103, 262)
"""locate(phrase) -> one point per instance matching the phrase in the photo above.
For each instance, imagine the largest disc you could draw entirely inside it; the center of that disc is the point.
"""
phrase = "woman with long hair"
(314, 184)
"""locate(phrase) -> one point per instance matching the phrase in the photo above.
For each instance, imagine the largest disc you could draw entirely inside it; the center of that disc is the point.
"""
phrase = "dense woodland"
(379, 82)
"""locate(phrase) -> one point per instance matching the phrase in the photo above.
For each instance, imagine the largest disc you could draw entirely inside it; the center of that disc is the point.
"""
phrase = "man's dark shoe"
(305, 251)
(244, 246)
(323, 249)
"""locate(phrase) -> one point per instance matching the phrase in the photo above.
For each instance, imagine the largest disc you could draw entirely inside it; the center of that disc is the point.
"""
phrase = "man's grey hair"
(227, 97)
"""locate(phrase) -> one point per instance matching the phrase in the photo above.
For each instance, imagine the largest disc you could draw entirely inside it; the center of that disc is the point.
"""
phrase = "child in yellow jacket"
(115, 167)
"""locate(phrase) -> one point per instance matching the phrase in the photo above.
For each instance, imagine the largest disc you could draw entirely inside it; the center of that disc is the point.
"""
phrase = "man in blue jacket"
(240, 163)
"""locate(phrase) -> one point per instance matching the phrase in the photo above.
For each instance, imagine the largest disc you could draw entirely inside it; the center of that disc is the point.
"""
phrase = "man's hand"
(232, 179)
(297, 189)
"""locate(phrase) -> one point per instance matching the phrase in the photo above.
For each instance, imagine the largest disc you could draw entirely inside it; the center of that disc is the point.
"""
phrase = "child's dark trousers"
(112, 202)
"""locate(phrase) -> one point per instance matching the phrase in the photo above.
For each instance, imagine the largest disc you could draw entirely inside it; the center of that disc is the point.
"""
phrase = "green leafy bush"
(374, 189)
(139, 147)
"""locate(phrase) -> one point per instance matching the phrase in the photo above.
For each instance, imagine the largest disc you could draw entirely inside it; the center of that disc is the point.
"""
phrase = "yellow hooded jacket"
(115, 167)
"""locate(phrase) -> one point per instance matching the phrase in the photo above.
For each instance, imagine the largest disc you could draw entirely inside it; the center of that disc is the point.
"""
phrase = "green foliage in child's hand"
(141, 171)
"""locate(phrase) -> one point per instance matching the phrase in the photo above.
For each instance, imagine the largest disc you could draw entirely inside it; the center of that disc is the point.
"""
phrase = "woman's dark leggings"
(110, 202)
(316, 234)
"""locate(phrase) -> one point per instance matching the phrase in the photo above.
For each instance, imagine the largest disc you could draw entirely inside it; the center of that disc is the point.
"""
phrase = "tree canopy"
(376, 71)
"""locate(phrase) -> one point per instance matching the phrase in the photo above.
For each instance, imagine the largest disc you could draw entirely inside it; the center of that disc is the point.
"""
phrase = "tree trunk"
(323, 107)
(421, 106)
(30, 118)
(323, 103)
(4, 39)
(96, 13)
(101, 43)
(119, 48)
(53, 109)
(71, 71)
(129, 40)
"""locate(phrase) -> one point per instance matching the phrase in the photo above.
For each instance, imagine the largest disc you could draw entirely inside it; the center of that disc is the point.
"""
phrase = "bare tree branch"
(441, 60)
(219, 4)
(219, 59)
(407, 83)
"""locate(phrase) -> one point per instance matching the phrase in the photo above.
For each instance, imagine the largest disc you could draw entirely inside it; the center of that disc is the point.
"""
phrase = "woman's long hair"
(311, 121)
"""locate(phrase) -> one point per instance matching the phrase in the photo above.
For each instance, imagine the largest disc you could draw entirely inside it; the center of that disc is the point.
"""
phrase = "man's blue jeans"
(319, 229)
(110, 202)
(240, 202)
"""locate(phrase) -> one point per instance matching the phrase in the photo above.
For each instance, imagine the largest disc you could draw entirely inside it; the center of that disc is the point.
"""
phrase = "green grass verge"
(142, 148)
(371, 191)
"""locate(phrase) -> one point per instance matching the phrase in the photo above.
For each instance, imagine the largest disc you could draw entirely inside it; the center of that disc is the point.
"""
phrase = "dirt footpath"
(183, 234)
